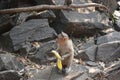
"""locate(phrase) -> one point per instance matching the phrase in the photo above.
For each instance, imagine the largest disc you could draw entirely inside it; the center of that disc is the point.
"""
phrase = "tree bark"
(47, 7)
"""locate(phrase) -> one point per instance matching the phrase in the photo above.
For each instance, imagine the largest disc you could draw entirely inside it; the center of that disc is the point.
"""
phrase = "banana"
(59, 64)
(56, 54)
(59, 59)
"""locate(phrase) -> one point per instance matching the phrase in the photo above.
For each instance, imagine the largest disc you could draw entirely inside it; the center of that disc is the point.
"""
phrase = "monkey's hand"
(65, 56)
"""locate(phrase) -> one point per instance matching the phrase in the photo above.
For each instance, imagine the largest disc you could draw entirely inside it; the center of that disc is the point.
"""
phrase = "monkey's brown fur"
(65, 46)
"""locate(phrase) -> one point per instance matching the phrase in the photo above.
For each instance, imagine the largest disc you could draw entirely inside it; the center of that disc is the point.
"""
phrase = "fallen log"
(53, 7)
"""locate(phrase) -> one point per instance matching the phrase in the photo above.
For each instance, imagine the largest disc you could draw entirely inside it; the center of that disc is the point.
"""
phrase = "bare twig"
(47, 7)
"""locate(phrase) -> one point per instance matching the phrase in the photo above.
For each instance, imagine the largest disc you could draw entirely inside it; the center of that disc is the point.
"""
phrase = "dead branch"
(52, 7)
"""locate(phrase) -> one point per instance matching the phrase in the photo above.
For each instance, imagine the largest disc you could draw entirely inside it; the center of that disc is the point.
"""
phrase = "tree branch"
(47, 7)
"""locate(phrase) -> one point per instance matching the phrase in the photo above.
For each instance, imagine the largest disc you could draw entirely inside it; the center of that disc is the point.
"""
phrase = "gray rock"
(9, 75)
(6, 23)
(92, 64)
(6, 43)
(84, 77)
(88, 54)
(114, 36)
(87, 44)
(114, 75)
(43, 54)
(108, 51)
(111, 4)
(22, 17)
(9, 62)
(32, 30)
(91, 52)
(48, 14)
(114, 71)
(78, 24)
(51, 74)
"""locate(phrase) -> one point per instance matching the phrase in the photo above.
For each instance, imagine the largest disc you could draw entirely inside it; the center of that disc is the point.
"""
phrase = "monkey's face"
(61, 40)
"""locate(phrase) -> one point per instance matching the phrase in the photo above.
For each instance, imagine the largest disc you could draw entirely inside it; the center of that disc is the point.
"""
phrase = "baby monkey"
(65, 46)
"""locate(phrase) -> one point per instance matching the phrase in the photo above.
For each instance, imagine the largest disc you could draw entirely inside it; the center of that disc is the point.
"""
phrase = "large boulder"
(30, 31)
(79, 24)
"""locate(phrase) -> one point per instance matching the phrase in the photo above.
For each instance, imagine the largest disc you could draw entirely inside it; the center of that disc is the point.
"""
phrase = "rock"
(22, 17)
(9, 75)
(43, 54)
(48, 14)
(108, 51)
(9, 62)
(114, 71)
(88, 54)
(30, 31)
(6, 43)
(6, 23)
(116, 23)
(84, 77)
(114, 75)
(92, 64)
(51, 74)
(111, 4)
(5, 4)
(79, 24)
(114, 36)
(87, 44)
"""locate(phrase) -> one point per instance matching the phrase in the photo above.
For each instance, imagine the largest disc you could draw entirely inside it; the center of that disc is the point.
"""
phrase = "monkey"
(68, 2)
(65, 46)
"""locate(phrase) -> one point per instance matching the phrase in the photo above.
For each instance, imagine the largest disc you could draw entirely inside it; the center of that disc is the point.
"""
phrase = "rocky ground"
(27, 38)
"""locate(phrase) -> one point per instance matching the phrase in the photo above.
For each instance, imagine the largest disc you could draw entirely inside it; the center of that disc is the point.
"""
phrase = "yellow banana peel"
(59, 64)
(59, 59)
(56, 54)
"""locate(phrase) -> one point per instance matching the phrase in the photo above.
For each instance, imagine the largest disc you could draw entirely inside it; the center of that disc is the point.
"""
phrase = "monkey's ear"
(64, 34)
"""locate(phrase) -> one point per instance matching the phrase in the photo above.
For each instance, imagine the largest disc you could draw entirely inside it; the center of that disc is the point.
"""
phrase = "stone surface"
(111, 4)
(6, 23)
(113, 71)
(92, 64)
(51, 74)
(114, 36)
(79, 24)
(32, 30)
(9, 75)
(5, 43)
(43, 52)
(88, 54)
(9, 62)
(117, 23)
(108, 51)
(4, 4)
(48, 14)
